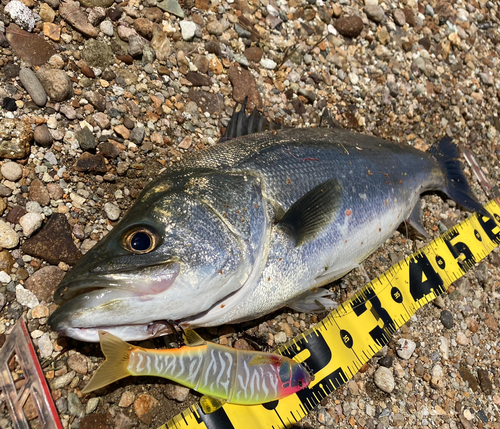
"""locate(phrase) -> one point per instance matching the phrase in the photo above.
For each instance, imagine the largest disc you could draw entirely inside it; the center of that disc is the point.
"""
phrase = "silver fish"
(251, 225)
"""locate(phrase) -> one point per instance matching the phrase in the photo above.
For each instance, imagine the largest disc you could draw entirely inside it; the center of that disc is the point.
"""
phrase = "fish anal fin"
(114, 368)
(192, 339)
(415, 220)
(312, 212)
(210, 404)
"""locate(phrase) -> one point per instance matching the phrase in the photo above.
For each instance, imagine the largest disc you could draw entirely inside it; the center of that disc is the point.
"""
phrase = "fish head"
(293, 376)
(173, 255)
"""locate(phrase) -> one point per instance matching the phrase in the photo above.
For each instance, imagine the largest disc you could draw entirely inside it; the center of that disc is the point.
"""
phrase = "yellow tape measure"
(336, 348)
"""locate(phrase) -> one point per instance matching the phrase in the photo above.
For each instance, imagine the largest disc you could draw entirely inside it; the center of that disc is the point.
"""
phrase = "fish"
(222, 374)
(255, 223)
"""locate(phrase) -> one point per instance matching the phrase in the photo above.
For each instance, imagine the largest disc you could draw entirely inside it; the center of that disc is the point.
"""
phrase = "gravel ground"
(99, 97)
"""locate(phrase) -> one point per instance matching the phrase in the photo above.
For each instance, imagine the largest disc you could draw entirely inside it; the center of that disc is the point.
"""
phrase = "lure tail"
(114, 368)
(456, 186)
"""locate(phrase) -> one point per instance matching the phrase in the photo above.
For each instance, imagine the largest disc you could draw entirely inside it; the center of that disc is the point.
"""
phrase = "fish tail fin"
(456, 186)
(117, 353)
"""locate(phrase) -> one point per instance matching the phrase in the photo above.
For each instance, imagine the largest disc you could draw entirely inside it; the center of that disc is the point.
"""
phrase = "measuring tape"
(336, 348)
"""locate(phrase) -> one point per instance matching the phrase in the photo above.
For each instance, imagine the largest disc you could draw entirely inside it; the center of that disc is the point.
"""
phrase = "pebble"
(350, 26)
(40, 311)
(12, 171)
(446, 318)
(406, 348)
(62, 381)
(45, 346)
(54, 243)
(112, 211)
(91, 405)
(128, 398)
(42, 136)
(15, 138)
(280, 338)
(21, 14)
(30, 223)
(375, 13)
(107, 28)
(26, 297)
(73, 14)
(33, 86)
(75, 407)
(144, 404)
(462, 339)
(267, 63)
(384, 379)
(188, 29)
(38, 192)
(137, 135)
(8, 237)
(176, 392)
(56, 84)
(44, 282)
(31, 48)
(86, 139)
(399, 17)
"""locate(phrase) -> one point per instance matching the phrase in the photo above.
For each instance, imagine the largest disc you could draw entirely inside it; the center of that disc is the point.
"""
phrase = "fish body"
(249, 226)
(236, 376)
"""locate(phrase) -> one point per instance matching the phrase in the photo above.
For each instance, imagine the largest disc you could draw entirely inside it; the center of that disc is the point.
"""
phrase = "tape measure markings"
(337, 347)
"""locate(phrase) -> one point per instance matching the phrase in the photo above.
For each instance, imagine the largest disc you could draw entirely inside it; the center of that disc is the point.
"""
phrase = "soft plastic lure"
(222, 373)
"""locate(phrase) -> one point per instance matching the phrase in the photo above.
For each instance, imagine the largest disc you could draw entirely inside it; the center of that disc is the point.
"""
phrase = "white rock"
(45, 346)
(371, 2)
(112, 211)
(384, 379)
(188, 29)
(354, 78)
(267, 63)
(444, 347)
(107, 28)
(406, 348)
(8, 237)
(77, 200)
(21, 15)
(4, 277)
(30, 222)
(280, 338)
(26, 297)
(33, 207)
(12, 171)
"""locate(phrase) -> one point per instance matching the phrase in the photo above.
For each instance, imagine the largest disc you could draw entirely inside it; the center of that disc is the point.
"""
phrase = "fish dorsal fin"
(209, 404)
(415, 220)
(313, 212)
(192, 339)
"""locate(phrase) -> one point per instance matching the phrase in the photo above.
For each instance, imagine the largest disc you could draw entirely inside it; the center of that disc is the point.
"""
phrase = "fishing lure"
(221, 373)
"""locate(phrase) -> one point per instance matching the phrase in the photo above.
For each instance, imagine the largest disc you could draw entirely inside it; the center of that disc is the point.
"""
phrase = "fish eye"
(300, 383)
(140, 240)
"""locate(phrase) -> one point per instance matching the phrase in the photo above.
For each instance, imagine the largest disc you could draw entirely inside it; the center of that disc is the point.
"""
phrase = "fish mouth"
(112, 302)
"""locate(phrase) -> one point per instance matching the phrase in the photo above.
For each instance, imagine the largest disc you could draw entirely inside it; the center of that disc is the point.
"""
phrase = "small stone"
(54, 243)
(215, 27)
(21, 15)
(6, 261)
(29, 47)
(137, 135)
(406, 348)
(135, 45)
(97, 13)
(268, 63)
(44, 282)
(33, 86)
(375, 13)
(90, 408)
(30, 223)
(86, 139)
(253, 54)
(161, 43)
(68, 111)
(107, 28)
(485, 381)
(462, 339)
(26, 297)
(16, 213)
(42, 136)
(75, 407)
(144, 27)
(143, 405)
(109, 150)
(8, 237)
(244, 85)
(45, 346)
(409, 16)
(62, 381)
(98, 421)
(446, 318)
(469, 378)
(384, 379)
(91, 163)
(112, 211)
(15, 138)
(40, 311)
(386, 361)
(9, 104)
(128, 398)
(56, 84)
(399, 17)
(38, 192)
(12, 171)
(176, 392)
(280, 338)
(173, 7)
(47, 13)
(74, 15)
(188, 30)
(350, 26)
(122, 131)
(78, 363)
(197, 79)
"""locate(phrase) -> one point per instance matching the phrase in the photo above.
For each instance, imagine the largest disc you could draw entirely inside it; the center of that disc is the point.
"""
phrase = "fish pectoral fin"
(192, 339)
(114, 368)
(415, 220)
(210, 404)
(313, 301)
(312, 212)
